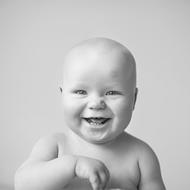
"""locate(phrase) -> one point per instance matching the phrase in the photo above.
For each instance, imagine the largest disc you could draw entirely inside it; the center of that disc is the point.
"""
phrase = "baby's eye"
(80, 92)
(113, 92)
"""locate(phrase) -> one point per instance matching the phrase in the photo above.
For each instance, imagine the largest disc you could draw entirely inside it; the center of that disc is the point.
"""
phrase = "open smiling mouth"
(97, 121)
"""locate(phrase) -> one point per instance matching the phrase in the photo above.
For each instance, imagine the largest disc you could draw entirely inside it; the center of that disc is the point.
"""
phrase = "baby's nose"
(97, 104)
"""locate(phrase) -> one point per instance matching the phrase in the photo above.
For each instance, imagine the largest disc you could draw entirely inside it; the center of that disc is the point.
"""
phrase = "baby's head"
(99, 89)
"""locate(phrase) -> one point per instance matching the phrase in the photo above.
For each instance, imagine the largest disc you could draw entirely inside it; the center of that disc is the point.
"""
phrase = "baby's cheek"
(124, 113)
(75, 107)
(121, 106)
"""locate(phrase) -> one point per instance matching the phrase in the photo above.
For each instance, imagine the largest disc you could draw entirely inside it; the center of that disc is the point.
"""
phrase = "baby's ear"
(135, 97)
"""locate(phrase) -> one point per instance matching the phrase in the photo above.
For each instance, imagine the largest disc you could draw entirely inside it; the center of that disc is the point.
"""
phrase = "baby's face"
(98, 94)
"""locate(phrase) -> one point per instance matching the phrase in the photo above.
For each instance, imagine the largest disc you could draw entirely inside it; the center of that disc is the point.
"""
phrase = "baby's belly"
(83, 184)
(78, 184)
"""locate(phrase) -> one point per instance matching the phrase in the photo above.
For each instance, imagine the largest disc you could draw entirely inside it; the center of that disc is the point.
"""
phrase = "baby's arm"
(151, 178)
(45, 171)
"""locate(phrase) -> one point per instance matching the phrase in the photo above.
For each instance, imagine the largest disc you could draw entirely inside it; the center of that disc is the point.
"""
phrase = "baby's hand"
(93, 170)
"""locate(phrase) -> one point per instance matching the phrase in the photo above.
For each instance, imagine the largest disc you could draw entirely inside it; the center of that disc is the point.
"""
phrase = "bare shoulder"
(148, 165)
(141, 148)
(46, 148)
(137, 147)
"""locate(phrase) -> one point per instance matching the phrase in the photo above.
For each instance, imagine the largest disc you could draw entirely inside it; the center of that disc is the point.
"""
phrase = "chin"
(99, 141)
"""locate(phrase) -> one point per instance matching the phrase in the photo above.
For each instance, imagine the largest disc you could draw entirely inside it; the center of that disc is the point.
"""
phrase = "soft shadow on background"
(35, 35)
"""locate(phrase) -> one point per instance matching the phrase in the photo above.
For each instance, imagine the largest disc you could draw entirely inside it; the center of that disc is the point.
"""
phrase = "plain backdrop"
(35, 35)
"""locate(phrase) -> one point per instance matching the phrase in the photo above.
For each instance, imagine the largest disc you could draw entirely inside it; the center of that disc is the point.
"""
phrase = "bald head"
(100, 46)
(95, 50)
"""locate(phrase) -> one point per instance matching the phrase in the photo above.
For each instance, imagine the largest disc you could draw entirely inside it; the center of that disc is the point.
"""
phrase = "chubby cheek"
(72, 108)
(122, 111)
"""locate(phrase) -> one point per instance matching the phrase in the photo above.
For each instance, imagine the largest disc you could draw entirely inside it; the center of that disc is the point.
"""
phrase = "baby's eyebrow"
(116, 85)
(79, 85)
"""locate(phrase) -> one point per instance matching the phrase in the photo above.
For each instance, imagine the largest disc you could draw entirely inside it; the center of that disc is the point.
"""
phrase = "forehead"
(104, 62)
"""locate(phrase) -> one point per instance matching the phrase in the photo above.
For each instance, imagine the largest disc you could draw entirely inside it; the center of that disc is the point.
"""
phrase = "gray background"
(34, 36)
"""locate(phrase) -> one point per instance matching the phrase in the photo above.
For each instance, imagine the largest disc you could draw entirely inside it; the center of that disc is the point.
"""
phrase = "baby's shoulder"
(137, 145)
(147, 159)
(145, 150)
(139, 150)
(47, 147)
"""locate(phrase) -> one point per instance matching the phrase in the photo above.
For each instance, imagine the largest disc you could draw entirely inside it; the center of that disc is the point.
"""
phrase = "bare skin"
(94, 152)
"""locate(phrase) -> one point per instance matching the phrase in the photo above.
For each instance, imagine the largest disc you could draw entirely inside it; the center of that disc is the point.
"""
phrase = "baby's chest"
(124, 176)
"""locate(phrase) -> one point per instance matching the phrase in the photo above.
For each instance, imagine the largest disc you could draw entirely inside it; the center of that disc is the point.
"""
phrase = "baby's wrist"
(76, 159)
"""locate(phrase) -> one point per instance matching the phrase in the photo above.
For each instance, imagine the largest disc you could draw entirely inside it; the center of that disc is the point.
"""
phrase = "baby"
(94, 151)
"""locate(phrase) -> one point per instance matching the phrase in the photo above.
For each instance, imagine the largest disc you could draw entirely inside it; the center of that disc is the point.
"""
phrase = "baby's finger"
(107, 175)
(94, 181)
(104, 178)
